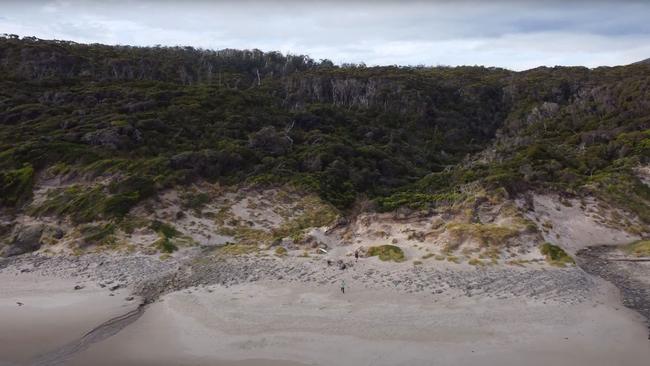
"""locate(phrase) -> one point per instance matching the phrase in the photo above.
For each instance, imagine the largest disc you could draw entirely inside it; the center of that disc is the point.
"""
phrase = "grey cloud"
(514, 34)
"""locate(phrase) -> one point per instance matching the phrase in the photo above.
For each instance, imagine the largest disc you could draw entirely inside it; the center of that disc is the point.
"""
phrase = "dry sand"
(574, 228)
(297, 324)
(51, 315)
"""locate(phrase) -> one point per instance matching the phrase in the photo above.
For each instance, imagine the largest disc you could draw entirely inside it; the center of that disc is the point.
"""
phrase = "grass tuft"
(476, 262)
(237, 249)
(166, 232)
(98, 234)
(639, 248)
(280, 251)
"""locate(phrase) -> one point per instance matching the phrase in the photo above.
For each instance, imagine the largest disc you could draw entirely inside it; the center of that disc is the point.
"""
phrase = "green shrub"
(556, 255)
(387, 253)
(16, 185)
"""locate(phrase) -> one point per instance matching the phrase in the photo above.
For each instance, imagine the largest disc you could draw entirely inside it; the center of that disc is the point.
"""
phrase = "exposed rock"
(26, 238)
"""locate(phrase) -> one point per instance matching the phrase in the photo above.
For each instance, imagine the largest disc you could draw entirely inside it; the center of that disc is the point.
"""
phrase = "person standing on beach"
(356, 255)
(343, 286)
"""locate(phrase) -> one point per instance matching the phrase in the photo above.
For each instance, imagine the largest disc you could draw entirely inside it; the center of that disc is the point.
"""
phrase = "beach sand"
(295, 324)
(52, 315)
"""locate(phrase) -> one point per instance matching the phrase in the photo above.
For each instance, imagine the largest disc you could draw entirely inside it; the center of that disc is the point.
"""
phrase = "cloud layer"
(512, 34)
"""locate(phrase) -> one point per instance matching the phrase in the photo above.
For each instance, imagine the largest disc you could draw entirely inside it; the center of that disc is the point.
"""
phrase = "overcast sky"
(506, 33)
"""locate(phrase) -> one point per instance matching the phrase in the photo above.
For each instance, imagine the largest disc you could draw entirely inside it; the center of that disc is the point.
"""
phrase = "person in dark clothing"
(343, 286)
(356, 255)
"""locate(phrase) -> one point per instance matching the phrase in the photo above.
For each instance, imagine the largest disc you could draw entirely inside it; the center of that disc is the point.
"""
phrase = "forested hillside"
(153, 118)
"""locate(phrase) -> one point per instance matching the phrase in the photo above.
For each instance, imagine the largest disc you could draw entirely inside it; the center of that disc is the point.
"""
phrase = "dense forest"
(389, 136)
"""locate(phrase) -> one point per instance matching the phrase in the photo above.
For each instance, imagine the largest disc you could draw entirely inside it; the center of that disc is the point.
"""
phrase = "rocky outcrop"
(25, 239)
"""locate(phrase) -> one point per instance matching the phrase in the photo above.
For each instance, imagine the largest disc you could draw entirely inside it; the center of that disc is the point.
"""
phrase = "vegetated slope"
(154, 118)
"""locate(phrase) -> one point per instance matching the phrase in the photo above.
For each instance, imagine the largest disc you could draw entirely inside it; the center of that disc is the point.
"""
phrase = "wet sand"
(296, 324)
(52, 314)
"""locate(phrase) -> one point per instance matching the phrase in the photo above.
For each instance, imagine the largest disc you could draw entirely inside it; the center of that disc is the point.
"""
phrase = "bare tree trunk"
(288, 129)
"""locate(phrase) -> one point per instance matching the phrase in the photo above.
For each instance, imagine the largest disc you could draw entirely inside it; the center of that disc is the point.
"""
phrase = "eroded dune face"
(482, 229)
